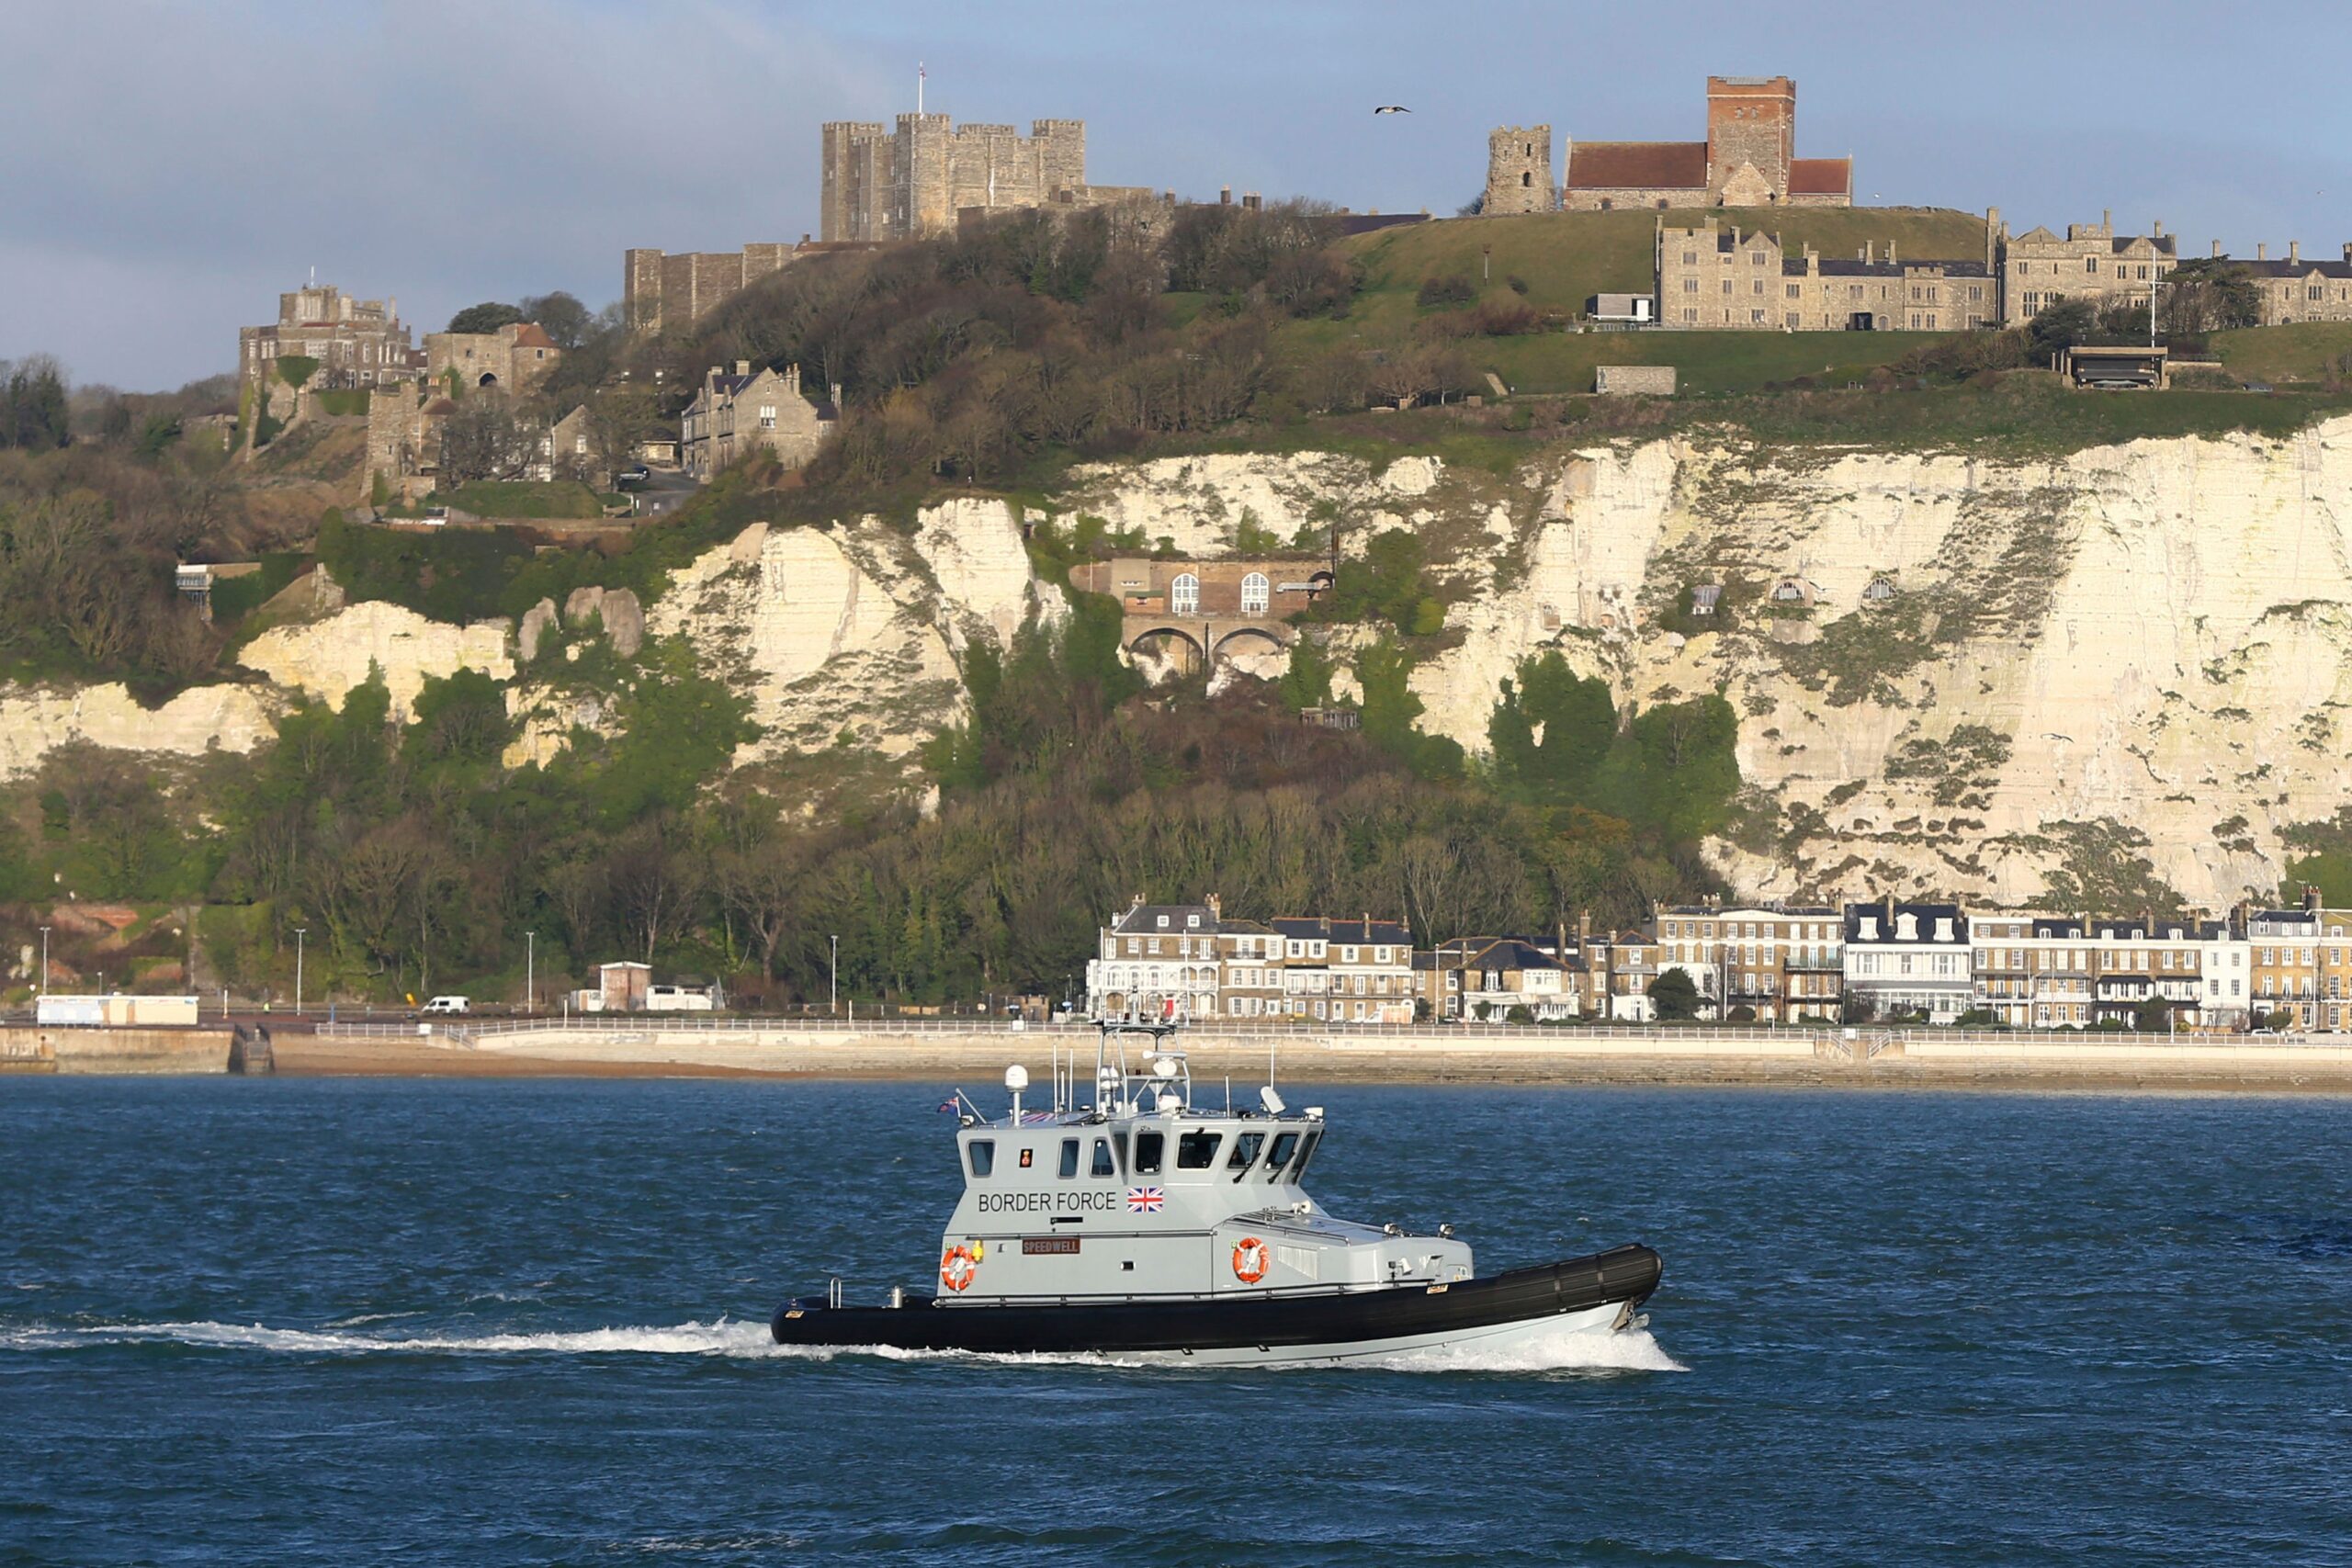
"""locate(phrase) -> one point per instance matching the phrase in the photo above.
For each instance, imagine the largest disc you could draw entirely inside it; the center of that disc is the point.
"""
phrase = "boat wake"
(1634, 1350)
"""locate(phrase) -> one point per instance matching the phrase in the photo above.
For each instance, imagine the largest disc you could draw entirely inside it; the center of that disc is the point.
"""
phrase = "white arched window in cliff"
(1256, 594)
(1184, 595)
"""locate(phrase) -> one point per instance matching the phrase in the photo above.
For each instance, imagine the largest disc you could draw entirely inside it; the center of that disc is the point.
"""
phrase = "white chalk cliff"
(2136, 652)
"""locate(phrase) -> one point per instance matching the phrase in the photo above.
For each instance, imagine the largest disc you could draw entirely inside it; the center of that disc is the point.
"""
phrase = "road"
(663, 493)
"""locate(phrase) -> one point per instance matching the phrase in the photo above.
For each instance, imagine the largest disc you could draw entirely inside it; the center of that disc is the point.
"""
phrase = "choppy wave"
(1634, 1350)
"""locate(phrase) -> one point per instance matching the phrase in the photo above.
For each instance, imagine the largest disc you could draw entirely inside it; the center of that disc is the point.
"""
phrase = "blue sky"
(175, 164)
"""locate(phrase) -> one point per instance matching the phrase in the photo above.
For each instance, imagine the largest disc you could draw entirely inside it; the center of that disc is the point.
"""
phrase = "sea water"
(336, 1322)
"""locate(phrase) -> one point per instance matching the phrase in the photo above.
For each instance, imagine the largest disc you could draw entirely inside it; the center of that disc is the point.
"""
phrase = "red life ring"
(1249, 1260)
(958, 1267)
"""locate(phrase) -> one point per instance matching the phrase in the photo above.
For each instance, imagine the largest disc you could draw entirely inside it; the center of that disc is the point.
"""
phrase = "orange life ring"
(1249, 1260)
(958, 1267)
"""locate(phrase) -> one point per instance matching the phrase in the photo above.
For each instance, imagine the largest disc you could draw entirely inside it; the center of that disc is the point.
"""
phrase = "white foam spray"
(1566, 1352)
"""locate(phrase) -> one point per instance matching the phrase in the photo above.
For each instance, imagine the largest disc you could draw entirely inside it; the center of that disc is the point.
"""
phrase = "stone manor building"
(357, 342)
(1717, 277)
(741, 411)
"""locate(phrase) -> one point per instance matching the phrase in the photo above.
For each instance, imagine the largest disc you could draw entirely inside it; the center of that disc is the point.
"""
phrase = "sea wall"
(27, 1048)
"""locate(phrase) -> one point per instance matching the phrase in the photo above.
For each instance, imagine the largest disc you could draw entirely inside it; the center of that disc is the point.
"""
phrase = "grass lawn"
(2300, 353)
(1564, 258)
(1704, 362)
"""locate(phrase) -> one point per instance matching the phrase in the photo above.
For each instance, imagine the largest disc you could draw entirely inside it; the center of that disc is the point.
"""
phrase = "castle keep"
(1748, 159)
(911, 183)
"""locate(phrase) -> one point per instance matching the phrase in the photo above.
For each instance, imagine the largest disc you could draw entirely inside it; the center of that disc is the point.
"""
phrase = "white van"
(442, 1005)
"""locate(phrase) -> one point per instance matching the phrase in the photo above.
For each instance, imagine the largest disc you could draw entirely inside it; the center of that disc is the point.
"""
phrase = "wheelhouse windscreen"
(1197, 1151)
(1245, 1154)
(1150, 1148)
(1284, 1144)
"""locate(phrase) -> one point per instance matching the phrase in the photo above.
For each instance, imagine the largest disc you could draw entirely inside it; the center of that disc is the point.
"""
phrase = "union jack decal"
(1145, 1199)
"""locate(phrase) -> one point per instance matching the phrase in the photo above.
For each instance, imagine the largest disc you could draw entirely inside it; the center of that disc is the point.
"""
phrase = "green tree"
(486, 317)
(2060, 327)
(1674, 996)
(563, 317)
(33, 413)
(2153, 1016)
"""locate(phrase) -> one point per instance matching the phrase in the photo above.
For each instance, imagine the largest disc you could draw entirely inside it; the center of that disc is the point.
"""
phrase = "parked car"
(630, 477)
(444, 1005)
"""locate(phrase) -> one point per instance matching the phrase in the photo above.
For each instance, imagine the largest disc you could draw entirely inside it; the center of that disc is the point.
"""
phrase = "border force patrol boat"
(1146, 1227)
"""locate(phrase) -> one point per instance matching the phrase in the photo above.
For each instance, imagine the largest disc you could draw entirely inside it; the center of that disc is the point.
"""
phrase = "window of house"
(2090, 263)
(1756, 318)
(1069, 1158)
(1197, 1151)
(1184, 595)
(1103, 1163)
(983, 1154)
(1726, 285)
(1690, 286)
(1690, 258)
(1794, 290)
(1347, 955)
(1256, 594)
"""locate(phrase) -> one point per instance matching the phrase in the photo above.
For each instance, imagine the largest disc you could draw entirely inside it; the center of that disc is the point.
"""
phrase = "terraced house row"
(1891, 961)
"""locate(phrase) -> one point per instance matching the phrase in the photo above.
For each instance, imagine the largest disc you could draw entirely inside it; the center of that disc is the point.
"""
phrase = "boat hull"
(1596, 1294)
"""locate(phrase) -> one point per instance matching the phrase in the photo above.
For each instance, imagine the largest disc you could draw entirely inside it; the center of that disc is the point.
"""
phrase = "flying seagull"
(1392, 109)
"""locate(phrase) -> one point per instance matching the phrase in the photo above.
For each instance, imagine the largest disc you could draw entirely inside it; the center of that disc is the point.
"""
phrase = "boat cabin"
(1143, 1193)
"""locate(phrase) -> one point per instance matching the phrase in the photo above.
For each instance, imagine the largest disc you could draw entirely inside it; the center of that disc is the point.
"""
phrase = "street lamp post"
(833, 986)
(42, 989)
(531, 970)
(298, 968)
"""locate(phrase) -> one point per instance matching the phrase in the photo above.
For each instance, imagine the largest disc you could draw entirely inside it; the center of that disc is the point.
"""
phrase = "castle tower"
(641, 290)
(1751, 123)
(1061, 155)
(1519, 170)
(844, 209)
(921, 177)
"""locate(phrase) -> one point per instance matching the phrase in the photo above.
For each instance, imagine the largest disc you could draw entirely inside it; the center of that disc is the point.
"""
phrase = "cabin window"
(1305, 1153)
(1069, 1158)
(1197, 1151)
(1102, 1164)
(982, 1152)
(1284, 1144)
(1245, 1154)
(1149, 1147)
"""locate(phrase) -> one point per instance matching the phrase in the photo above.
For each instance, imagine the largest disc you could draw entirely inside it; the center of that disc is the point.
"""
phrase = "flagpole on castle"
(920, 75)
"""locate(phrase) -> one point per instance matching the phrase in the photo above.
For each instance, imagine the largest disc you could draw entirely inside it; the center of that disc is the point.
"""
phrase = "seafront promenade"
(932, 1049)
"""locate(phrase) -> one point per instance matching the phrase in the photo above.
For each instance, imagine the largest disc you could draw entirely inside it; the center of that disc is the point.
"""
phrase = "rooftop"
(1618, 166)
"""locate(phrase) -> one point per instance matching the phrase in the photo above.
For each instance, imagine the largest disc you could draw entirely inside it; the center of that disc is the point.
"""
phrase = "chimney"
(2294, 250)
(1225, 196)
(1216, 907)
(836, 389)
(742, 367)
(2262, 250)
(1870, 250)
(1584, 926)
(2348, 253)
(2216, 250)
(2156, 230)
(1250, 200)
(2311, 898)
(2107, 219)
(1892, 258)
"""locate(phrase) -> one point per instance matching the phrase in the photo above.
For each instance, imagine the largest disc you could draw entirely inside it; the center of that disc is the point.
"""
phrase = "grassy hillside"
(1564, 258)
(2300, 353)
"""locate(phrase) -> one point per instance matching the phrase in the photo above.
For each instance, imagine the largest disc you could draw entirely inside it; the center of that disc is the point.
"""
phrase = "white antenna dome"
(1016, 1077)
